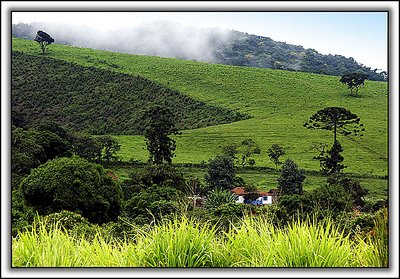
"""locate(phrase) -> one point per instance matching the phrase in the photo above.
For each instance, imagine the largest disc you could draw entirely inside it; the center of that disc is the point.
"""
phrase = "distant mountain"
(168, 39)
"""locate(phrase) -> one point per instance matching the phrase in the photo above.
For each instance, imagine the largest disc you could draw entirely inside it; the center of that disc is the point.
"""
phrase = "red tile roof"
(240, 191)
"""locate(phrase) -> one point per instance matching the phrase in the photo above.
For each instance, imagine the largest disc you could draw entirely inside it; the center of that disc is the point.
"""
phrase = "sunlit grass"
(279, 101)
(183, 242)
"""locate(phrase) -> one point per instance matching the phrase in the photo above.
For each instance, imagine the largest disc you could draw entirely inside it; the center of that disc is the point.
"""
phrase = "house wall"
(260, 200)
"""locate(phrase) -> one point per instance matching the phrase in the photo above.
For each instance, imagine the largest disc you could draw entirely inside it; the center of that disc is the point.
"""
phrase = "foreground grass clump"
(186, 243)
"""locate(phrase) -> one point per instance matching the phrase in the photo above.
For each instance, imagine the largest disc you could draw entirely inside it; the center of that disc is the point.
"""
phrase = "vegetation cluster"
(66, 197)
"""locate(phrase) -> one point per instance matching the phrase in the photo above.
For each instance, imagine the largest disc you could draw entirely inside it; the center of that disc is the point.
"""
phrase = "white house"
(263, 197)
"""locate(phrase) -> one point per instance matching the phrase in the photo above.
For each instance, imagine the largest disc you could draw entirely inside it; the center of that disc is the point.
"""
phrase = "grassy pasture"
(279, 101)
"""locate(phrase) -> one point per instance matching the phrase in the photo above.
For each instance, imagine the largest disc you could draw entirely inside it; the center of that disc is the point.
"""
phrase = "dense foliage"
(97, 101)
(220, 173)
(76, 185)
(291, 178)
(256, 51)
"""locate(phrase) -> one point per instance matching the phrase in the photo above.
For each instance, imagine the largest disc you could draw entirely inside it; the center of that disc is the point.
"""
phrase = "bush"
(21, 215)
(331, 199)
(66, 219)
(218, 197)
(295, 204)
(76, 185)
(373, 205)
(160, 175)
(152, 203)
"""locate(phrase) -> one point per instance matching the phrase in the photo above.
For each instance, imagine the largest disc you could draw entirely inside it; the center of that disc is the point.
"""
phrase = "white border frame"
(393, 69)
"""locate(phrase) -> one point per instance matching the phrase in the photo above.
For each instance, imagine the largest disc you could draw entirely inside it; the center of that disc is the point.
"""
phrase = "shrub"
(160, 175)
(218, 197)
(76, 185)
(21, 215)
(333, 200)
(152, 203)
(351, 186)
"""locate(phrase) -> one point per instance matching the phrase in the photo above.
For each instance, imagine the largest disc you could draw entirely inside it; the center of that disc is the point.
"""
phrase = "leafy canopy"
(353, 81)
(291, 179)
(76, 185)
(43, 39)
(336, 119)
(159, 126)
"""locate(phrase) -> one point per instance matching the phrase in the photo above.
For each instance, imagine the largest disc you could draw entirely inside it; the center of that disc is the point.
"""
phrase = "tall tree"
(159, 126)
(353, 81)
(274, 153)
(43, 39)
(336, 119)
(291, 179)
(221, 172)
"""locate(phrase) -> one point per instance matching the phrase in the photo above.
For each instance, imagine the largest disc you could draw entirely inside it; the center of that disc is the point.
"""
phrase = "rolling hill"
(169, 39)
(96, 101)
(279, 101)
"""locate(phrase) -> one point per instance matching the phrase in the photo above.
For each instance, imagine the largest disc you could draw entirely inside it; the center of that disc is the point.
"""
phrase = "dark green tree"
(153, 202)
(291, 179)
(274, 153)
(87, 147)
(336, 119)
(351, 186)
(159, 126)
(160, 175)
(220, 172)
(76, 185)
(353, 81)
(331, 161)
(31, 147)
(43, 39)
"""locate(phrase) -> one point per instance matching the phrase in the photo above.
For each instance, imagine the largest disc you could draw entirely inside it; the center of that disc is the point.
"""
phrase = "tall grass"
(183, 242)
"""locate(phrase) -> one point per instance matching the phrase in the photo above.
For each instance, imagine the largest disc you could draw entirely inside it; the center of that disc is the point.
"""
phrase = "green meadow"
(280, 102)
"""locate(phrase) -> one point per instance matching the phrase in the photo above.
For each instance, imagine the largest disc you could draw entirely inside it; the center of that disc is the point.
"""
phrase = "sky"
(361, 35)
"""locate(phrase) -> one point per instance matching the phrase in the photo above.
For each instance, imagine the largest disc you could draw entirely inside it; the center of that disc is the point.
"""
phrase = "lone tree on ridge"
(43, 39)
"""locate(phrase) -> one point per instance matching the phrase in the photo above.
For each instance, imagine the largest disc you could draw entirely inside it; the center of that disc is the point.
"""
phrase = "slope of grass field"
(97, 101)
(279, 101)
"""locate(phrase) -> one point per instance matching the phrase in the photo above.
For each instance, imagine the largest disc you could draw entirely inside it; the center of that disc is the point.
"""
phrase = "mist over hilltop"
(212, 45)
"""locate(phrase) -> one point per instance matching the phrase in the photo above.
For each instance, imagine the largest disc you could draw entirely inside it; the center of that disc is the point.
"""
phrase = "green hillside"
(97, 101)
(279, 101)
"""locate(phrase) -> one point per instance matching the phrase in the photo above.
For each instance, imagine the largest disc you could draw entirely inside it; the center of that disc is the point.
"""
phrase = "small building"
(263, 197)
